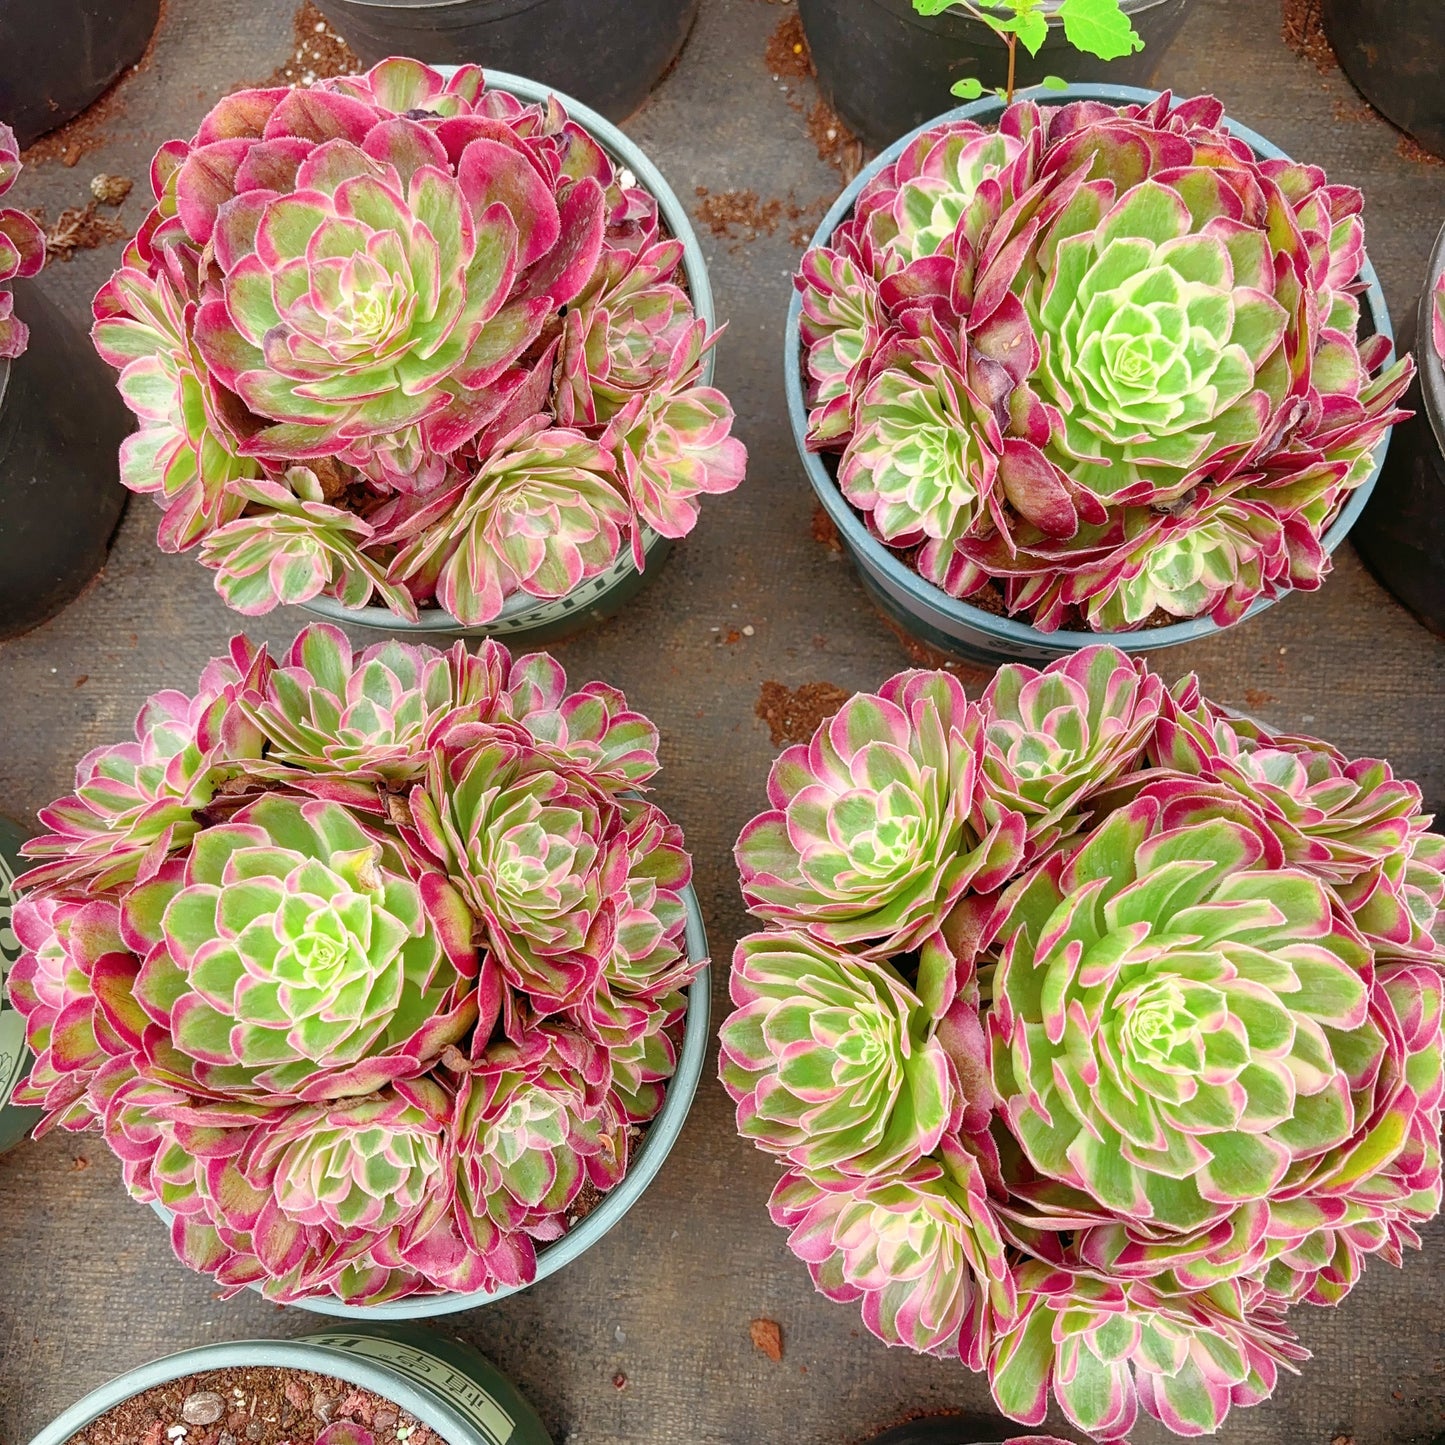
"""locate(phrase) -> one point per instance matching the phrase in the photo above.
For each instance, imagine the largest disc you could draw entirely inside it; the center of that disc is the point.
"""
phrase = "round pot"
(60, 497)
(56, 56)
(1401, 535)
(444, 1383)
(662, 1133)
(886, 69)
(1394, 52)
(526, 619)
(948, 1430)
(927, 612)
(15, 1122)
(608, 53)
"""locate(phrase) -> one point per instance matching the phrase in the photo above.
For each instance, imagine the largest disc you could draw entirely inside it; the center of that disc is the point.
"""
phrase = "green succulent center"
(360, 308)
(532, 1120)
(531, 859)
(1157, 1026)
(869, 1045)
(322, 950)
(1134, 351)
(884, 832)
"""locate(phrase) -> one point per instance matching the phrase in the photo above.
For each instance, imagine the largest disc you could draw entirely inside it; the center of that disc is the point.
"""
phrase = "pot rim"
(863, 545)
(355, 1369)
(504, 8)
(1430, 369)
(955, 22)
(617, 144)
(662, 1133)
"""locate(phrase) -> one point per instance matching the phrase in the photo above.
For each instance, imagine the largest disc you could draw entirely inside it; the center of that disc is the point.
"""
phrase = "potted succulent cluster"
(608, 53)
(59, 504)
(1071, 365)
(405, 337)
(1092, 1028)
(885, 65)
(371, 967)
(15, 1122)
(1401, 535)
(371, 1384)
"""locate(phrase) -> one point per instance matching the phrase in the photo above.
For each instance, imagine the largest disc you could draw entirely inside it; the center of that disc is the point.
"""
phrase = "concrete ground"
(646, 1338)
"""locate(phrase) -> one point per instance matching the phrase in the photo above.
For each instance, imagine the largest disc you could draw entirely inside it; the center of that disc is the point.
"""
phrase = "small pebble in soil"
(384, 1419)
(202, 1408)
(620, 1335)
(176, 1432)
(255, 1430)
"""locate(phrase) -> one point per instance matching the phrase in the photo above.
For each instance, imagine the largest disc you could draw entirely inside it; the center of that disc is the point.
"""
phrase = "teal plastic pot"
(662, 1133)
(525, 619)
(444, 1383)
(15, 1122)
(928, 612)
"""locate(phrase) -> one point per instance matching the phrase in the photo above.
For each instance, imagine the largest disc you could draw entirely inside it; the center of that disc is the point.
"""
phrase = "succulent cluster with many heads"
(404, 338)
(22, 249)
(370, 966)
(1092, 1027)
(1104, 361)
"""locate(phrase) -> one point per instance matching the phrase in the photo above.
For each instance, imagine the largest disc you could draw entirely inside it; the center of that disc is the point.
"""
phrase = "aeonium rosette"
(401, 338)
(1094, 1116)
(369, 965)
(1106, 362)
(22, 249)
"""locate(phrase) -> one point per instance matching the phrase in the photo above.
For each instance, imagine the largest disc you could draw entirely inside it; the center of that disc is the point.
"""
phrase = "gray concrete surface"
(87, 1283)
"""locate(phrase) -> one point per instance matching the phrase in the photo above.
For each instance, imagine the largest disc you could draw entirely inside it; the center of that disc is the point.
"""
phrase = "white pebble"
(748, 630)
(620, 1335)
(321, 27)
(176, 1432)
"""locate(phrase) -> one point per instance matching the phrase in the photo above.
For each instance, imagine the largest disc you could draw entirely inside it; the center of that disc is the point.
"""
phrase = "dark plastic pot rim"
(356, 1370)
(662, 1134)
(1431, 369)
(499, 7)
(951, 21)
(635, 159)
(861, 541)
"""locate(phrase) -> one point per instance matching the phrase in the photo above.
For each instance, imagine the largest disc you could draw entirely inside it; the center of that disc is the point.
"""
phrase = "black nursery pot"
(607, 53)
(61, 422)
(1394, 51)
(948, 1430)
(56, 56)
(886, 69)
(1401, 535)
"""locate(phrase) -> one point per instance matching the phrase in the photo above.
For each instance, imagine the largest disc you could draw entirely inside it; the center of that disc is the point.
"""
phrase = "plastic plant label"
(462, 1393)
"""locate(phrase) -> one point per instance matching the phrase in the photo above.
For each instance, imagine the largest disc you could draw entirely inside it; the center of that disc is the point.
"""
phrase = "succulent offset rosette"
(377, 334)
(881, 822)
(1096, 1118)
(921, 1248)
(22, 249)
(1103, 1349)
(345, 1058)
(1104, 360)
